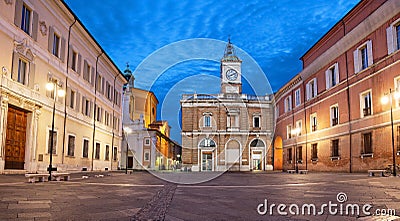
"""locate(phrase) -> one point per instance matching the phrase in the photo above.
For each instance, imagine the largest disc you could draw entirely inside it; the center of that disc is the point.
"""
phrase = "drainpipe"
(94, 105)
(66, 87)
(348, 102)
(113, 134)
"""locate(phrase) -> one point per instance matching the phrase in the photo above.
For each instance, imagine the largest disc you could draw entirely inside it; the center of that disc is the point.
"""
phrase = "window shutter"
(337, 72)
(102, 86)
(93, 75)
(68, 96)
(31, 75)
(18, 13)
(79, 68)
(390, 40)
(35, 24)
(315, 87)
(308, 91)
(83, 105)
(62, 51)
(77, 101)
(51, 39)
(111, 93)
(85, 70)
(369, 51)
(356, 61)
(91, 109)
(14, 69)
(70, 51)
(327, 80)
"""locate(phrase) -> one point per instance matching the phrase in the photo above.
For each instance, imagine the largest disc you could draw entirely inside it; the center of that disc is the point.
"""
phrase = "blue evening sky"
(274, 33)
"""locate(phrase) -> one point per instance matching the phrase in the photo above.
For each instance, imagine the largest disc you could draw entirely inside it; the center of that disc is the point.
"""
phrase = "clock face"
(231, 74)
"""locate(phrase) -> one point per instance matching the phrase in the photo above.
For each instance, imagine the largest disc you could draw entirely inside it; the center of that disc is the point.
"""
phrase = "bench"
(372, 172)
(303, 171)
(40, 177)
(58, 176)
(291, 171)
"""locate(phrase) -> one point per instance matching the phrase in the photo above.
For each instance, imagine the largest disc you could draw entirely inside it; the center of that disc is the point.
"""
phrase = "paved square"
(232, 196)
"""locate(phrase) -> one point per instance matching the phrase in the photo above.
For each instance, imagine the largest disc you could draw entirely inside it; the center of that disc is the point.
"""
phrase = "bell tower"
(231, 71)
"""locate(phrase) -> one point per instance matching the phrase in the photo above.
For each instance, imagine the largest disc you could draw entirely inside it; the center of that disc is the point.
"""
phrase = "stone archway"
(278, 154)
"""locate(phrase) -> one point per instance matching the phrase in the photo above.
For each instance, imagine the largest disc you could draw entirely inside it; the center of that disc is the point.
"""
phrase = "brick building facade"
(229, 130)
(329, 117)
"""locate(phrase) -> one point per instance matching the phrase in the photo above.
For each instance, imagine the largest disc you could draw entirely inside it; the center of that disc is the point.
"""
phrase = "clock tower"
(231, 71)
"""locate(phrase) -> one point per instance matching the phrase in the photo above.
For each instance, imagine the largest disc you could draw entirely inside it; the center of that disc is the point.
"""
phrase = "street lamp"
(384, 100)
(53, 87)
(295, 132)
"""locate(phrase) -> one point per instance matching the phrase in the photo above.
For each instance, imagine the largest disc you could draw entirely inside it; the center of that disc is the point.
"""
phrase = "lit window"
(289, 131)
(299, 126)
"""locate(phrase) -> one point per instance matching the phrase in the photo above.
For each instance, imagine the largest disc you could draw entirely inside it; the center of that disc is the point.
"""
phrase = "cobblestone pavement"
(232, 196)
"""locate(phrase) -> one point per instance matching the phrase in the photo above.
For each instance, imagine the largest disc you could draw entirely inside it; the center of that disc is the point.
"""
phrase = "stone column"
(3, 128)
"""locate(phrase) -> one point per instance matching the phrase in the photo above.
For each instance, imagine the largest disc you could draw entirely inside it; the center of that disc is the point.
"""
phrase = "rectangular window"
(99, 112)
(366, 104)
(398, 36)
(290, 155)
(313, 122)
(367, 143)
(207, 121)
(299, 126)
(256, 121)
(107, 157)
(300, 154)
(115, 151)
(54, 142)
(108, 90)
(99, 83)
(233, 121)
(146, 156)
(334, 115)
(297, 97)
(335, 148)
(56, 45)
(314, 151)
(332, 76)
(74, 60)
(147, 141)
(22, 70)
(86, 109)
(85, 148)
(97, 153)
(106, 118)
(26, 19)
(289, 131)
(71, 145)
(311, 88)
(363, 57)
(288, 103)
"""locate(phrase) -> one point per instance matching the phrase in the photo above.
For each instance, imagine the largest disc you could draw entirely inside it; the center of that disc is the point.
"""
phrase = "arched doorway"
(278, 154)
(233, 155)
(257, 153)
(207, 154)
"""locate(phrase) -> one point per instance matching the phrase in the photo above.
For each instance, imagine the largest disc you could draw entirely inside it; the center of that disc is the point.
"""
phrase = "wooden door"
(15, 139)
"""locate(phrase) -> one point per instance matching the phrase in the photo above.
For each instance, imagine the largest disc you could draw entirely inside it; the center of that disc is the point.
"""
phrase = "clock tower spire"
(231, 71)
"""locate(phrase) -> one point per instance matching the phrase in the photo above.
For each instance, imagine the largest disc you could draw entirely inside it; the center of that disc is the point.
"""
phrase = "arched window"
(207, 142)
(257, 143)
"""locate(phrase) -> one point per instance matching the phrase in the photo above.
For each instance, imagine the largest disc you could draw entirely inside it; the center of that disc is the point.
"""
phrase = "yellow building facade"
(43, 43)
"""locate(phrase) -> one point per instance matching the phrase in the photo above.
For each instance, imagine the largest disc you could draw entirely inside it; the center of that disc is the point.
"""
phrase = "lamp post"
(53, 87)
(384, 100)
(295, 132)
